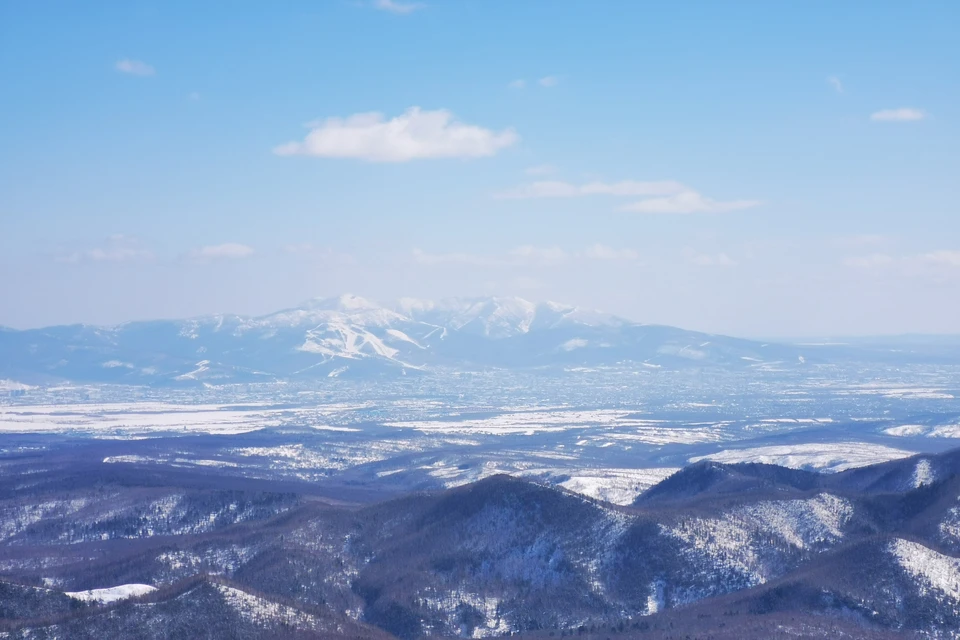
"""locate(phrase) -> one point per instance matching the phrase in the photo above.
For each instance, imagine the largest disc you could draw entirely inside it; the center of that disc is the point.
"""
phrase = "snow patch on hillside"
(831, 458)
(802, 523)
(950, 526)
(735, 546)
(112, 594)
(453, 606)
(264, 612)
(923, 474)
(618, 486)
(339, 339)
(930, 431)
(934, 572)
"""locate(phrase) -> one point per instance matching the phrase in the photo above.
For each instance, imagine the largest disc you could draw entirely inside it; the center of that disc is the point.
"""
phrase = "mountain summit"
(350, 335)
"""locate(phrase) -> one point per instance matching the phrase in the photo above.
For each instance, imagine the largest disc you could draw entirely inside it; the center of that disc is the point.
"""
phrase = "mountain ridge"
(499, 556)
(350, 336)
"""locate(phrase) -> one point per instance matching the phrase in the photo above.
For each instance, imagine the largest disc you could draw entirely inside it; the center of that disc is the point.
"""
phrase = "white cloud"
(943, 258)
(676, 197)
(415, 135)
(526, 256)
(558, 189)
(549, 81)
(540, 170)
(299, 248)
(401, 8)
(529, 254)
(860, 241)
(904, 114)
(433, 259)
(317, 254)
(117, 248)
(688, 202)
(871, 261)
(134, 67)
(603, 252)
(225, 251)
(708, 260)
(526, 282)
(517, 84)
(932, 264)
(835, 83)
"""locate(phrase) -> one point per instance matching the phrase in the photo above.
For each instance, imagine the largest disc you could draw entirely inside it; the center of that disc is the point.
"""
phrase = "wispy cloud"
(603, 252)
(433, 259)
(225, 251)
(415, 135)
(943, 258)
(708, 259)
(317, 254)
(527, 256)
(540, 170)
(559, 189)
(903, 114)
(117, 248)
(543, 256)
(835, 82)
(869, 261)
(401, 8)
(860, 241)
(546, 82)
(299, 248)
(674, 197)
(931, 264)
(134, 67)
(688, 202)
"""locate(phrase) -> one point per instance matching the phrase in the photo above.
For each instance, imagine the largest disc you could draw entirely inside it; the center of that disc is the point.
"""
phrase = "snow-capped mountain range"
(352, 336)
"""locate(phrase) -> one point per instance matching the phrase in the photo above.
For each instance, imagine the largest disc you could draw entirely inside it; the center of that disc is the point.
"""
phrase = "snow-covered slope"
(353, 336)
(112, 594)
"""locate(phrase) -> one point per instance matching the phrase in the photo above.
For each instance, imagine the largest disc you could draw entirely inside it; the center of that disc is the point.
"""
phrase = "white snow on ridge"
(112, 594)
(573, 343)
(923, 473)
(450, 604)
(732, 544)
(802, 523)
(400, 335)
(830, 457)
(260, 610)
(950, 526)
(202, 366)
(940, 431)
(933, 571)
(907, 430)
(346, 341)
(618, 486)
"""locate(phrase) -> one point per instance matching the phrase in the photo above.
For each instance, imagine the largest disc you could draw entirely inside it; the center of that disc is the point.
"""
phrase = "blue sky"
(753, 168)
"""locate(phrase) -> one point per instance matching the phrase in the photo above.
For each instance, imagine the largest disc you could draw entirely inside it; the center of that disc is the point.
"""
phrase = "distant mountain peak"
(360, 337)
(346, 302)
